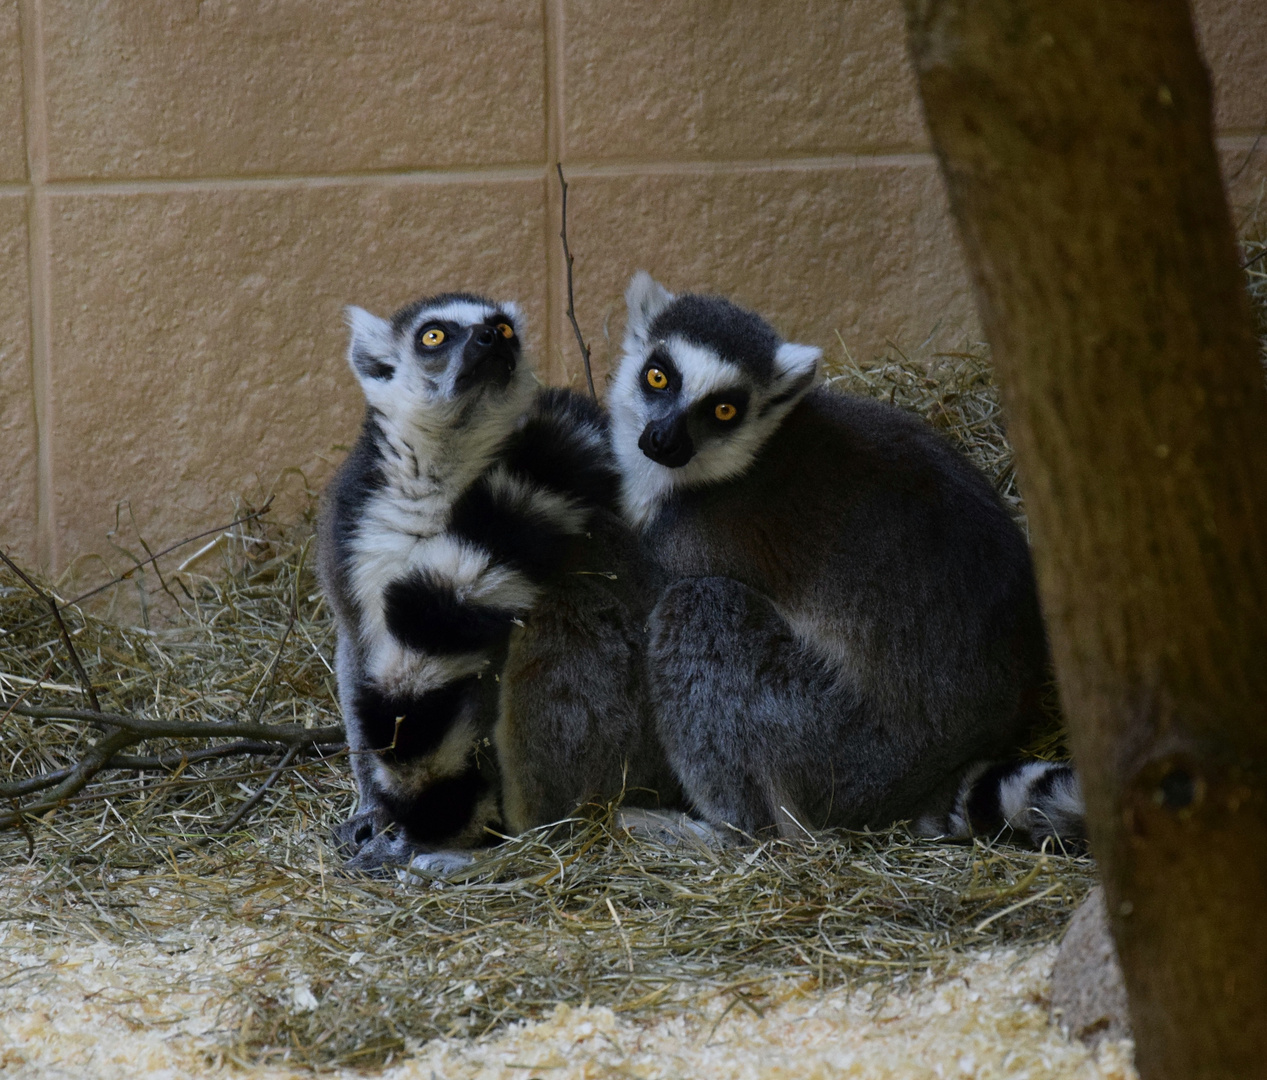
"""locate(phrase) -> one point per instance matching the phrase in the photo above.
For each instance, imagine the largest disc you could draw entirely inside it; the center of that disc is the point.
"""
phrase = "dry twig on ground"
(55, 748)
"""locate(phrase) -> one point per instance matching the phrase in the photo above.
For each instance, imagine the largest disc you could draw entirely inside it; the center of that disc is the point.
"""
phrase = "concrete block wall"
(191, 190)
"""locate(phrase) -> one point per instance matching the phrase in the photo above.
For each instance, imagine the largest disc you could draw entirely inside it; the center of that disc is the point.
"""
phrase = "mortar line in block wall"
(527, 171)
(532, 172)
(705, 166)
(39, 274)
(556, 271)
(291, 181)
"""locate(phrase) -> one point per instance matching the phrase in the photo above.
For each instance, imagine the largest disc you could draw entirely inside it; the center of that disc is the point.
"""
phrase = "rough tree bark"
(1075, 140)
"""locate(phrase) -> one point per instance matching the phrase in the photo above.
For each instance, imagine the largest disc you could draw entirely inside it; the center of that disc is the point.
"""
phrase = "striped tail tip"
(1039, 799)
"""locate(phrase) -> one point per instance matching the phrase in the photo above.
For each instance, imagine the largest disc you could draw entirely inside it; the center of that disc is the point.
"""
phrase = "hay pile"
(199, 893)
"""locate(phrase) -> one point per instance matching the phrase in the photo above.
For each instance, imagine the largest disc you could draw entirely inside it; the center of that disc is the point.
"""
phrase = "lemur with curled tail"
(467, 492)
(852, 633)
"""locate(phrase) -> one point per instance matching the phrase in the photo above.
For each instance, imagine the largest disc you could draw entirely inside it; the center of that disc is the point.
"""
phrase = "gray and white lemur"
(852, 627)
(467, 492)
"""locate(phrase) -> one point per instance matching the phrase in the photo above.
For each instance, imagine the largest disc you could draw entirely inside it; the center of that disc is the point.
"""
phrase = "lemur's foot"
(352, 835)
(427, 865)
(371, 844)
(672, 828)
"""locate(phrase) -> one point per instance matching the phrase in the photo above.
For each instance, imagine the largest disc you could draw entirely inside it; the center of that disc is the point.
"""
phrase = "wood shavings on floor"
(107, 1011)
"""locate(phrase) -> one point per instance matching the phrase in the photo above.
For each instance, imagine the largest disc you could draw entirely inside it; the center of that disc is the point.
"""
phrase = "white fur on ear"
(371, 348)
(645, 298)
(797, 361)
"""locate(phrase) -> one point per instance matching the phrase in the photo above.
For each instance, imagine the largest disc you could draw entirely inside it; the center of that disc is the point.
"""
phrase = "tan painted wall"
(191, 191)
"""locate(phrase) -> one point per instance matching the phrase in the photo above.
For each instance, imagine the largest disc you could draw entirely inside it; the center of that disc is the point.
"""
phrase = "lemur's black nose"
(668, 442)
(487, 357)
(660, 439)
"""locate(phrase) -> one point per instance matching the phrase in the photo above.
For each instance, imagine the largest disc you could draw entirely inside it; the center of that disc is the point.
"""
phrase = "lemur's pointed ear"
(645, 298)
(371, 348)
(796, 369)
(794, 361)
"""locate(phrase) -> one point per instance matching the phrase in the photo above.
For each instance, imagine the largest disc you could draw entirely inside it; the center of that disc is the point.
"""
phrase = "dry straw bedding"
(291, 962)
(190, 917)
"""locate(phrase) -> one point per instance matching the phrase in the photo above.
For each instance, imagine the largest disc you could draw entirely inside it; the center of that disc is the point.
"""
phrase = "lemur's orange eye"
(432, 338)
(505, 329)
(657, 379)
(725, 412)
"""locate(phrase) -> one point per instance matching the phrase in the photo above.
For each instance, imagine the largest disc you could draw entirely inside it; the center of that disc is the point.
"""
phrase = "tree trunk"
(1075, 140)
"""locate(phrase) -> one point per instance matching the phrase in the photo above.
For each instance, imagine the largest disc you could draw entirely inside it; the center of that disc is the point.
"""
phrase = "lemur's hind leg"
(761, 734)
(432, 738)
(576, 722)
(371, 823)
(764, 735)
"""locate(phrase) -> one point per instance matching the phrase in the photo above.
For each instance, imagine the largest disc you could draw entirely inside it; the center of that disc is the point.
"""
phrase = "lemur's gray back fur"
(853, 625)
(577, 724)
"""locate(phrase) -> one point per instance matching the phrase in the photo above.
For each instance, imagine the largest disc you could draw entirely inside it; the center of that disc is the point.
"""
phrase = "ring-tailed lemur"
(465, 492)
(853, 625)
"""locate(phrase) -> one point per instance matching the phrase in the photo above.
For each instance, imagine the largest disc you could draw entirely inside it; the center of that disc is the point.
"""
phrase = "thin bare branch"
(173, 758)
(142, 564)
(85, 769)
(253, 801)
(26, 830)
(48, 670)
(286, 734)
(161, 580)
(20, 788)
(156, 762)
(567, 255)
(122, 731)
